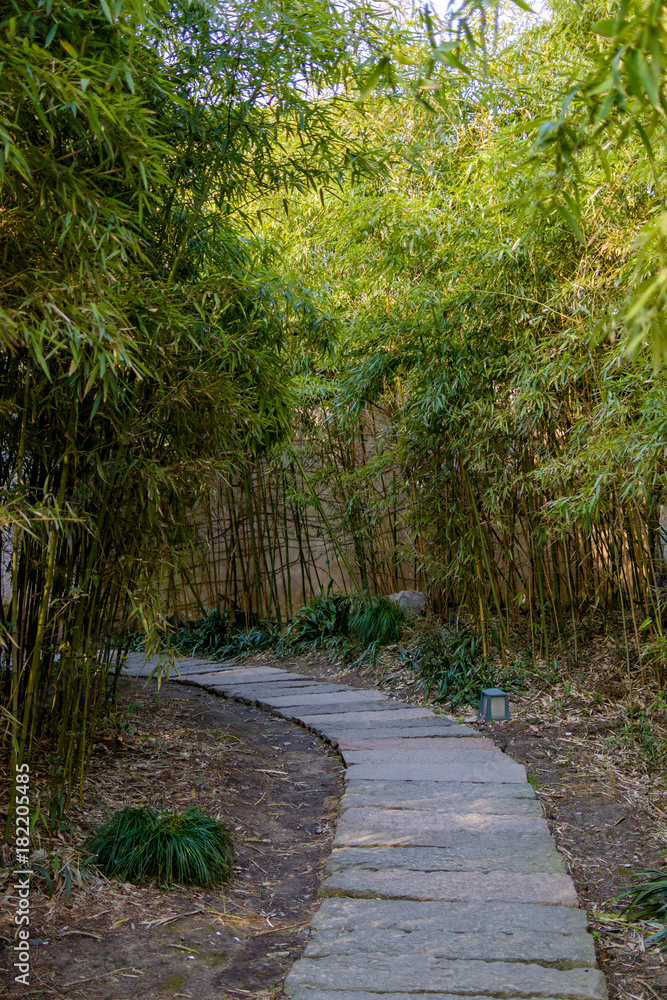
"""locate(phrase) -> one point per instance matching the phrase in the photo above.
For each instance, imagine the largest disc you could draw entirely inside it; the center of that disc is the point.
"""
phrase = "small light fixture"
(494, 705)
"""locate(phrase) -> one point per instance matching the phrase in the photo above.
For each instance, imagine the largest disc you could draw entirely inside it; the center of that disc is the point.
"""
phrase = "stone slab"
(425, 759)
(305, 993)
(348, 696)
(331, 720)
(448, 745)
(465, 918)
(264, 691)
(241, 675)
(442, 796)
(136, 665)
(357, 738)
(425, 720)
(548, 890)
(526, 854)
(364, 706)
(546, 935)
(472, 761)
(363, 826)
(376, 741)
(556, 950)
(426, 973)
(559, 951)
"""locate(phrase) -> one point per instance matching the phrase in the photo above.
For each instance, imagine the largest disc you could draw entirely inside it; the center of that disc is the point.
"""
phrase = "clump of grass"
(208, 635)
(648, 901)
(376, 621)
(218, 637)
(322, 624)
(190, 848)
(64, 869)
(335, 623)
(451, 664)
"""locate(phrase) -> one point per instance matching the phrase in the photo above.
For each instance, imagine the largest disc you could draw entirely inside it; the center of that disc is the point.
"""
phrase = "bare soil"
(272, 782)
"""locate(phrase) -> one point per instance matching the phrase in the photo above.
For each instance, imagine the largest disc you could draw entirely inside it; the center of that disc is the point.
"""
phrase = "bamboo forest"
(333, 337)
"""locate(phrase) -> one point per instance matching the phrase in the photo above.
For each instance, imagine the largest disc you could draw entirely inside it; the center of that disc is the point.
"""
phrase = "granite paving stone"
(549, 890)
(136, 665)
(473, 761)
(304, 712)
(345, 913)
(276, 687)
(446, 796)
(424, 720)
(426, 973)
(339, 700)
(499, 931)
(328, 723)
(357, 738)
(362, 826)
(240, 675)
(311, 993)
(527, 854)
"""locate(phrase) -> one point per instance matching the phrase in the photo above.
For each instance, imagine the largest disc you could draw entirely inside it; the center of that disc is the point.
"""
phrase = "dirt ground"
(603, 784)
(277, 787)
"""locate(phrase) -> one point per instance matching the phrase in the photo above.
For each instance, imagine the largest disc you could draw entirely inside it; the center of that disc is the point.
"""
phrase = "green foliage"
(322, 624)
(648, 901)
(142, 320)
(638, 733)
(216, 636)
(221, 239)
(376, 620)
(478, 427)
(60, 872)
(335, 623)
(209, 636)
(190, 848)
(452, 665)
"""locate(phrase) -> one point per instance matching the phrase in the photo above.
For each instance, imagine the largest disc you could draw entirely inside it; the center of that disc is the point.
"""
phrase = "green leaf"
(69, 48)
(566, 214)
(648, 80)
(607, 27)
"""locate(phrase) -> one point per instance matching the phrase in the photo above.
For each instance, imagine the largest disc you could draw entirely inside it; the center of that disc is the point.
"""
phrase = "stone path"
(443, 878)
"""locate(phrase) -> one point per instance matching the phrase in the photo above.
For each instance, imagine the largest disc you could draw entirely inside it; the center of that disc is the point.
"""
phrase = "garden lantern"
(494, 705)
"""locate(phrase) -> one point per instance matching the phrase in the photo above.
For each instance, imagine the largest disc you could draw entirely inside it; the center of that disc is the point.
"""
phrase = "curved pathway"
(443, 878)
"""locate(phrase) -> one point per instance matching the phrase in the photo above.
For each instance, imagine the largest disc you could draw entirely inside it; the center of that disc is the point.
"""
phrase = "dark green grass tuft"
(322, 624)
(648, 901)
(217, 637)
(377, 620)
(189, 848)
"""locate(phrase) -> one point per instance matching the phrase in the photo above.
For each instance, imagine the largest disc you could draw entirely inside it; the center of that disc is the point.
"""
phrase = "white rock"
(410, 600)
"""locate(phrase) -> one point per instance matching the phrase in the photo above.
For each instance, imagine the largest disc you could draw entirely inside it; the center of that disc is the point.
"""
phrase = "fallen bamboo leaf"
(161, 921)
(82, 934)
